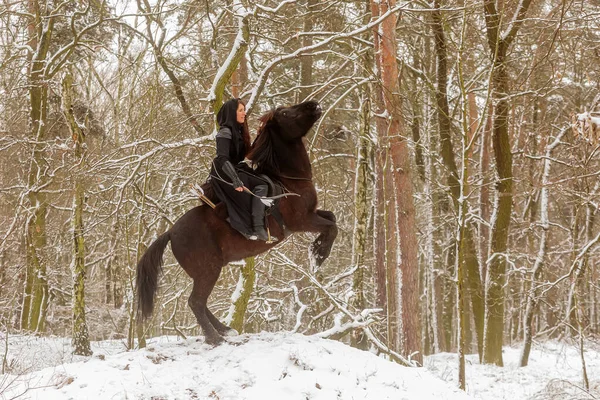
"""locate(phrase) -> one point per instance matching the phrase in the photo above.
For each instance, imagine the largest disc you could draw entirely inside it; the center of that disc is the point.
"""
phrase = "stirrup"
(270, 239)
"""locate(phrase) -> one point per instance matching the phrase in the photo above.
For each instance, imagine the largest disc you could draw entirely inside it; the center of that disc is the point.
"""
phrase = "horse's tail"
(148, 269)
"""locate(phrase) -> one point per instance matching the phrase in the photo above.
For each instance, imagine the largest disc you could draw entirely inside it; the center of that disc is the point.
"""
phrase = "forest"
(458, 148)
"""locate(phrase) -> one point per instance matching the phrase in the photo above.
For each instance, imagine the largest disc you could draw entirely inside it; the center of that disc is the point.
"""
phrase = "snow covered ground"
(263, 366)
(277, 366)
(554, 372)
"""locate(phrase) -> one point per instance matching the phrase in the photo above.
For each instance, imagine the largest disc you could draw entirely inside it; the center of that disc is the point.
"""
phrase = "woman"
(230, 182)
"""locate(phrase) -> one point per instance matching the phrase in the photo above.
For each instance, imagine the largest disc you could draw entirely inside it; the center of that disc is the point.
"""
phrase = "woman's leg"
(260, 189)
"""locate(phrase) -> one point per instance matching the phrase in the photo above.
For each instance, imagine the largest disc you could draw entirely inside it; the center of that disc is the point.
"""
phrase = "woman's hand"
(242, 188)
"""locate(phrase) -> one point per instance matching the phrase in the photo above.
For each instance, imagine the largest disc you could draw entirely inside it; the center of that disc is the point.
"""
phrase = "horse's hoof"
(214, 340)
(231, 332)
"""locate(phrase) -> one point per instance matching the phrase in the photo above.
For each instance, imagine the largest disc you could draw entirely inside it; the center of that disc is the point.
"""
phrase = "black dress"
(231, 147)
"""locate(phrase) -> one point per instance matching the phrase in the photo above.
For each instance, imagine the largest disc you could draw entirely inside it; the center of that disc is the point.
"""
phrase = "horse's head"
(277, 147)
(295, 121)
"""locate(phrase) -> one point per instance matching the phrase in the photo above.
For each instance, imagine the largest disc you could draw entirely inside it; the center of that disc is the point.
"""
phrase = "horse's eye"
(284, 113)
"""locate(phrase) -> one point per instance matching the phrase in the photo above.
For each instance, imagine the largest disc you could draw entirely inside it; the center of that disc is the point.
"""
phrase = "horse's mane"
(263, 149)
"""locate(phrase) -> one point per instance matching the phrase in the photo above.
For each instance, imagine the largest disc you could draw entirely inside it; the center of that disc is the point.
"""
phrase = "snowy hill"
(262, 366)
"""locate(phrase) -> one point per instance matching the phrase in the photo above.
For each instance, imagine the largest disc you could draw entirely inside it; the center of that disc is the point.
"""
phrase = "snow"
(257, 366)
(554, 372)
(281, 366)
(586, 116)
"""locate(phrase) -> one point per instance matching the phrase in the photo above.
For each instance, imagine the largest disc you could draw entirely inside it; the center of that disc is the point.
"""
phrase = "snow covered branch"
(262, 79)
(361, 321)
(231, 63)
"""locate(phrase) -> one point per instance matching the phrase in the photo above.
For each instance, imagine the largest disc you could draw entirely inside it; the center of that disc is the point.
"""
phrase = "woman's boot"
(258, 213)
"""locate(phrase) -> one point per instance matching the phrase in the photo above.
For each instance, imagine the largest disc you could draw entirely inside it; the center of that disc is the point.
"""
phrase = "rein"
(295, 178)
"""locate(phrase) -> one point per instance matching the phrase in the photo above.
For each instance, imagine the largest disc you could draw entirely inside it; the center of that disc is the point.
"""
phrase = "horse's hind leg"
(197, 303)
(219, 326)
(321, 247)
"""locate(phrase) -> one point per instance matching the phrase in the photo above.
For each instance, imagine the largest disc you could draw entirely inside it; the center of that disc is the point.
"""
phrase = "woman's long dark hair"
(245, 130)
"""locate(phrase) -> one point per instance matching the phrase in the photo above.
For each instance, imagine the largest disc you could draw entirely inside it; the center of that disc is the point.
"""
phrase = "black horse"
(202, 240)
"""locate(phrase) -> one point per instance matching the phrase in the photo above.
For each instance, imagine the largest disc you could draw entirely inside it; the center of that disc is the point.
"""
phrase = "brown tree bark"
(35, 297)
(379, 244)
(499, 43)
(405, 229)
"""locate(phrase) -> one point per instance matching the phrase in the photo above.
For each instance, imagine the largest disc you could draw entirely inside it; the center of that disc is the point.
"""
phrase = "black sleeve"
(229, 169)
(223, 146)
(223, 164)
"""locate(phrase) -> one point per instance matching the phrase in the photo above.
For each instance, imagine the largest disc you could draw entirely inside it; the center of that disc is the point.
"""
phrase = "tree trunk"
(35, 297)
(241, 296)
(471, 274)
(407, 272)
(532, 296)
(499, 43)
(494, 318)
(239, 78)
(359, 238)
(80, 337)
(379, 244)
(484, 194)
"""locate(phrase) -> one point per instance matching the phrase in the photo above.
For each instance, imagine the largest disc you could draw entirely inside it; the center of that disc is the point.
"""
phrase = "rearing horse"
(202, 240)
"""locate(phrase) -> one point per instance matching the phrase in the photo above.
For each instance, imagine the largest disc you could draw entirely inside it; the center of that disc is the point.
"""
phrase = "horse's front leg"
(324, 222)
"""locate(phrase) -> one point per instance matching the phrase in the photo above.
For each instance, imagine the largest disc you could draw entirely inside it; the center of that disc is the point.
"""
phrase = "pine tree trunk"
(380, 236)
(407, 272)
